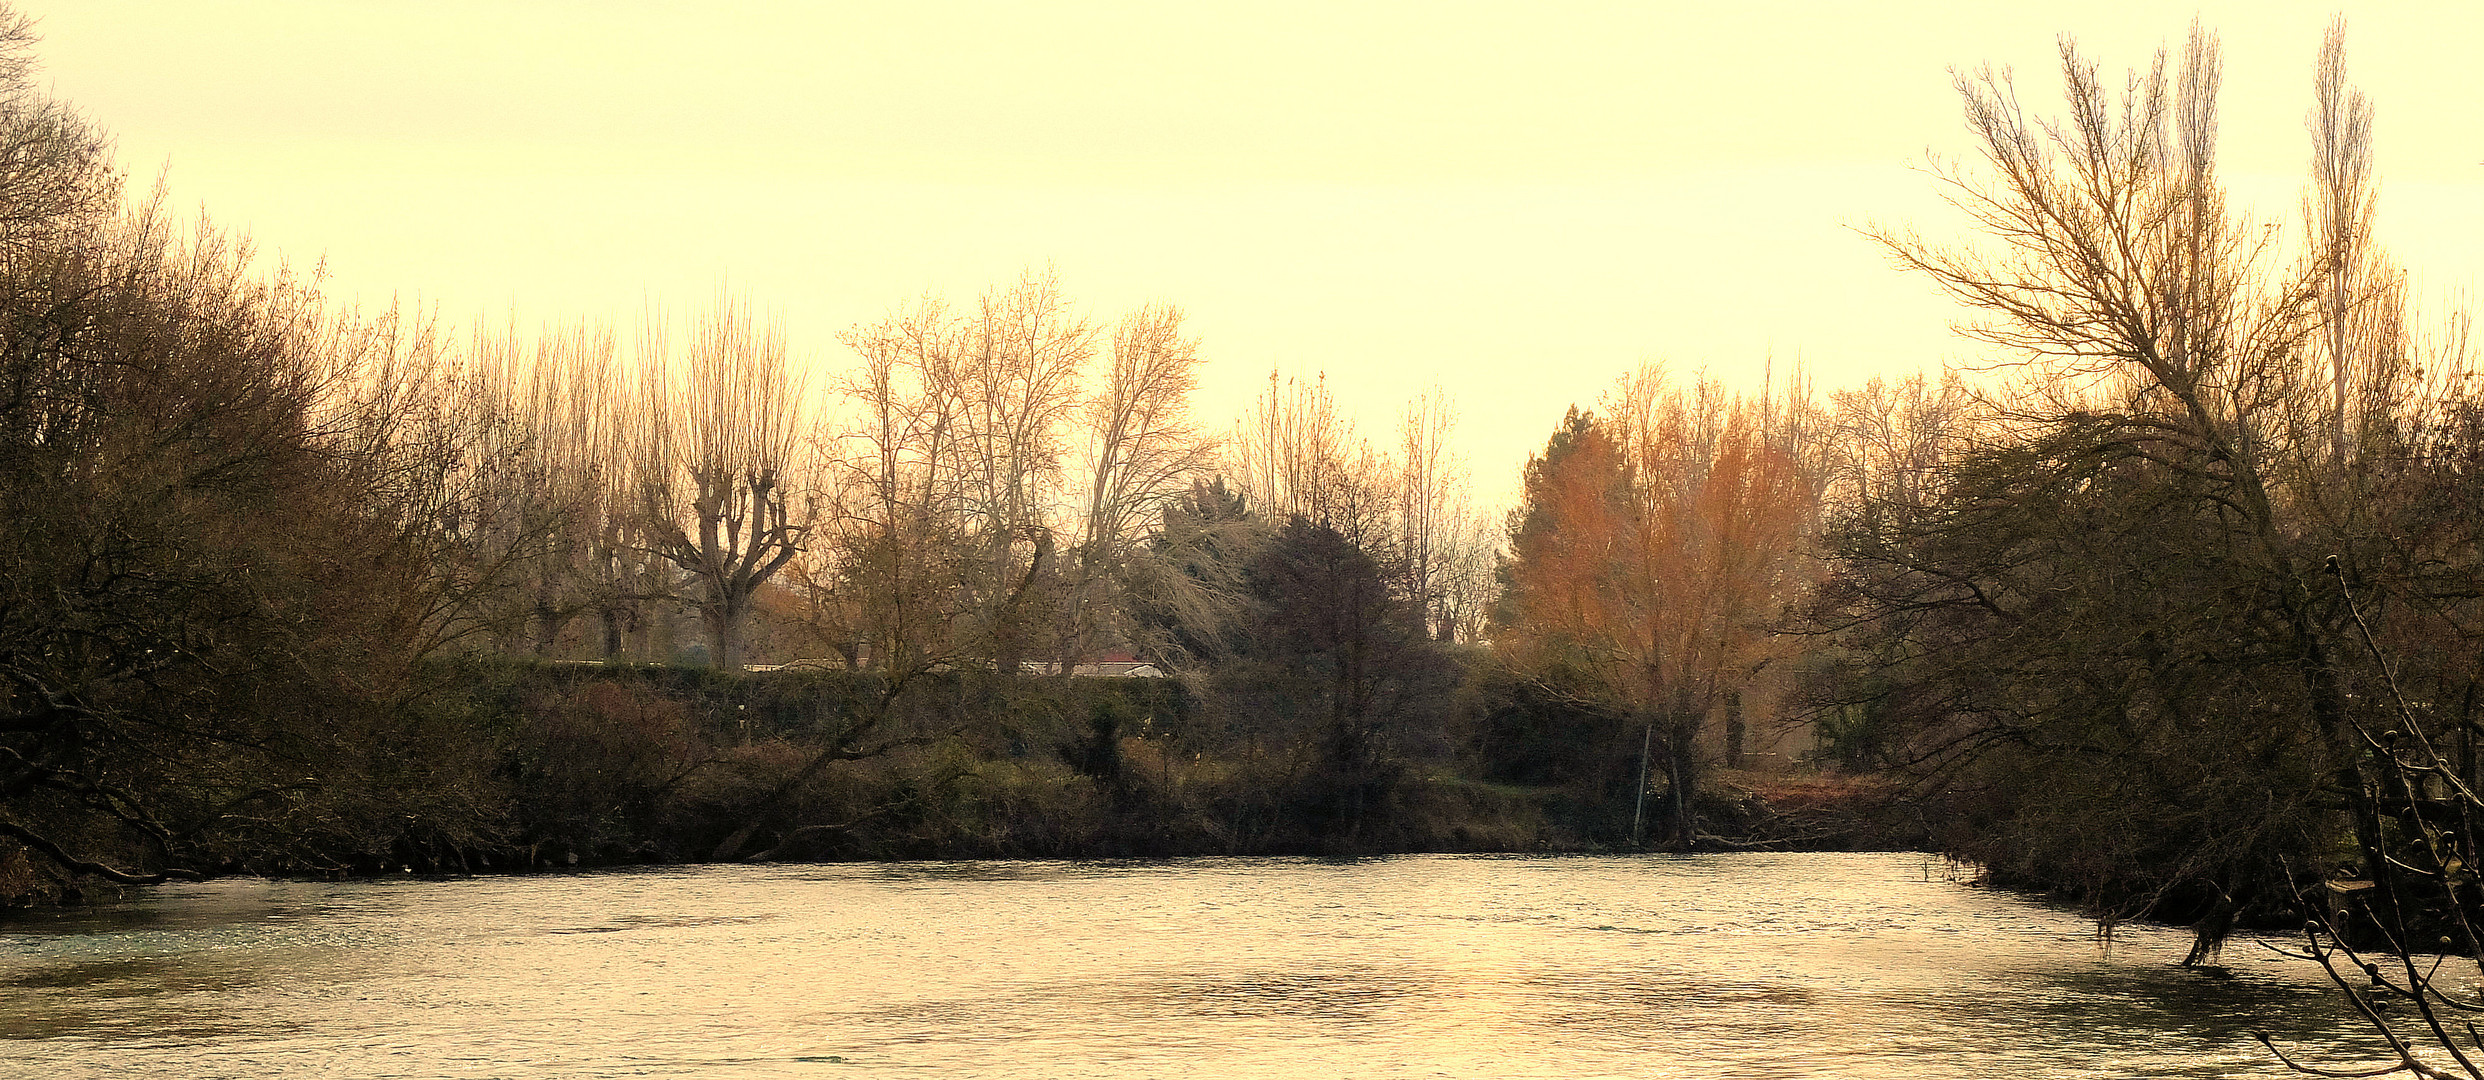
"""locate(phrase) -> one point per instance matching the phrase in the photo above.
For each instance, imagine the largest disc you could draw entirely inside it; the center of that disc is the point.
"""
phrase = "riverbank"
(557, 766)
(1033, 814)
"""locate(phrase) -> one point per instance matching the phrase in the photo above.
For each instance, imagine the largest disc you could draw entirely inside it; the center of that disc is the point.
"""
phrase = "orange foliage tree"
(1655, 549)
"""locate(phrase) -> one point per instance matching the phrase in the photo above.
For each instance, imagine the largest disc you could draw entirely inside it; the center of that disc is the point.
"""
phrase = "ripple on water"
(1776, 965)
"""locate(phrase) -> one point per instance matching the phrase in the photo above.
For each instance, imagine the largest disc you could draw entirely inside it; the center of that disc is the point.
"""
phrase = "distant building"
(810, 664)
(1111, 665)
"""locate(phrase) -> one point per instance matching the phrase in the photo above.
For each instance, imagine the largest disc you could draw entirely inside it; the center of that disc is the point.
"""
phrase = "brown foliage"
(1653, 558)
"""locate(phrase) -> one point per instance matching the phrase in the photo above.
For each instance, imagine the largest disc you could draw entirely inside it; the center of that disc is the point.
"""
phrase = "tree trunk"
(724, 636)
(548, 622)
(1682, 768)
(614, 639)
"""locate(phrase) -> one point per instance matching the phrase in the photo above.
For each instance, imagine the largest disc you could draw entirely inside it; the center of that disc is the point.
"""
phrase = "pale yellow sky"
(1517, 201)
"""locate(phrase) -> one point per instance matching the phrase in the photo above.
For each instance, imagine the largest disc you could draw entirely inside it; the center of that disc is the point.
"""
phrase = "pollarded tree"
(570, 424)
(541, 461)
(886, 581)
(717, 474)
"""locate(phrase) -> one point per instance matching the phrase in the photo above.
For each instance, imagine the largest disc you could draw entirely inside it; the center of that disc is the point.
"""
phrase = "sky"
(1513, 202)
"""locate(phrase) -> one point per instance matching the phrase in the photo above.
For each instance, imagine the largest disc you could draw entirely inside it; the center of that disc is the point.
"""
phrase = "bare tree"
(961, 432)
(2358, 295)
(1889, 442)
(1297, 456)
(1142, 454)
(52, 160)
(717, 471)
(2158, 341)
(538, 409)
(1017, 375)
(2189, 542)
(622, 580)
(1449, 544)
(895, 583)
(1465, 577)
(890, 577)
(231, 521)
(1430, 494)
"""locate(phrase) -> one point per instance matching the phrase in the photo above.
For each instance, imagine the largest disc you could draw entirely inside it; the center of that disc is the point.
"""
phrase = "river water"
(1758, 965)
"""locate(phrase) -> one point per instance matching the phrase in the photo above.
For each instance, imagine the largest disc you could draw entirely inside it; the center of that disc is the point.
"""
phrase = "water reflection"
(1745, 965)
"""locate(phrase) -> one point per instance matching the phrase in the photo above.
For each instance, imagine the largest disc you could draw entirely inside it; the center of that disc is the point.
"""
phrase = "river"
(1748, 965)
